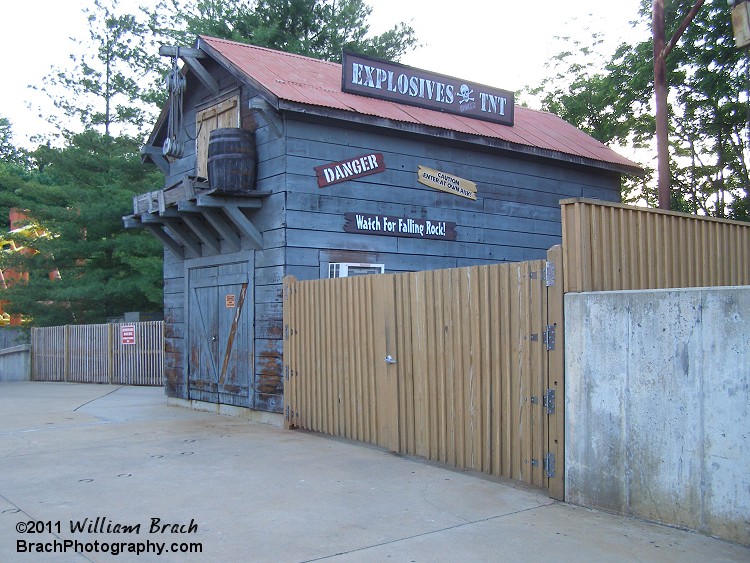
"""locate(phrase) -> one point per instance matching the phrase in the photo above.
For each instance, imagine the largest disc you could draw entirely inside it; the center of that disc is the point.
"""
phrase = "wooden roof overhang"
(190, 214)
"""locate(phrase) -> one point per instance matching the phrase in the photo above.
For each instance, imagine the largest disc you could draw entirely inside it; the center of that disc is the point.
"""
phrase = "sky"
(496, 43)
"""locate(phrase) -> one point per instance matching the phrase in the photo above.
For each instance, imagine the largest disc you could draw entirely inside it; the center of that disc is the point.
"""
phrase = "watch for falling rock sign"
(380, 224)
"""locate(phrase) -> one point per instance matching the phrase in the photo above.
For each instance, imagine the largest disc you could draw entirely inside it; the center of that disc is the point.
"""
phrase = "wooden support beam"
(174, 51)
(131, 222)
(222, 227)
(244, 225)
(184, 235)
(214, 201)
(190, 57)
(157, 157)
(203, 75)
(261, 106)
(172, 245)
(190, 213)
(203, 231)
(150, 219)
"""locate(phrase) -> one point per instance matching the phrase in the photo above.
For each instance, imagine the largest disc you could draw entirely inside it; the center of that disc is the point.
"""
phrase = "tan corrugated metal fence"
(610, 246)
(126, 353)
(451, 365)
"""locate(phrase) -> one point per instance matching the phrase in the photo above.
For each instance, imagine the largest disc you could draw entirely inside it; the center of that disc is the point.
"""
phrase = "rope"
(176, 87)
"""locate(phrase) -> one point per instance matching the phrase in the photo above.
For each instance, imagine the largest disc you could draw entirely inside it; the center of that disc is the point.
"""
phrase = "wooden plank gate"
(462, 366)
(99, 353)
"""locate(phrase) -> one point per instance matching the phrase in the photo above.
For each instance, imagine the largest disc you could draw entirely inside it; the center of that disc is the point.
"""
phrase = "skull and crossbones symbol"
(465, 94)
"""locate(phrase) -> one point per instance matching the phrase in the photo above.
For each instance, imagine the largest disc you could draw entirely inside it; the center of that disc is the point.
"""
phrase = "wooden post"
(66, 353)
(556, 374)
(288, 354)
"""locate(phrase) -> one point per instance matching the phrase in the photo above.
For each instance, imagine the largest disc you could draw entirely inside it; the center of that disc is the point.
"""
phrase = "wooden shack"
(350, 169)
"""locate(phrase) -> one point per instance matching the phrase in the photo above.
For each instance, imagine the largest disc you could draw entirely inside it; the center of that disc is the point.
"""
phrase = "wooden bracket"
(157, 157)
(261, 106)
(190, 57)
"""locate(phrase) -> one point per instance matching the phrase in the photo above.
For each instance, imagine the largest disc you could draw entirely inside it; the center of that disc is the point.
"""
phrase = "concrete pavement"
(103, 469)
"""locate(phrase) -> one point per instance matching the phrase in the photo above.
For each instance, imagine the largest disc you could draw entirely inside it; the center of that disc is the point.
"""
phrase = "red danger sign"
(127, 334)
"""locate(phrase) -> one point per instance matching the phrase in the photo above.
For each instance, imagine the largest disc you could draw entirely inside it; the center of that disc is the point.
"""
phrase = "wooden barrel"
(231, 160)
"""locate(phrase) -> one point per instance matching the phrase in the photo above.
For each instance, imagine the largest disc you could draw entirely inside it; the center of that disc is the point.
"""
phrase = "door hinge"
(549, 401)
(549, 274)
(549, 464)
(549, 337)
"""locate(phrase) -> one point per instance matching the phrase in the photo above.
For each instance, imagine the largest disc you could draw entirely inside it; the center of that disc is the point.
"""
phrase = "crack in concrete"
(31, 518)
(97, 398)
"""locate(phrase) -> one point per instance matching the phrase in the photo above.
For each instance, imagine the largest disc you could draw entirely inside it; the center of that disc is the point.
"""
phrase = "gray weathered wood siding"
(269, 261)
(196, 97)
(516, 215)
(175, 342)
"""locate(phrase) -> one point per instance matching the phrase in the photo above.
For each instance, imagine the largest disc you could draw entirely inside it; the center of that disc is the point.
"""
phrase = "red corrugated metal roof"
(294, 78)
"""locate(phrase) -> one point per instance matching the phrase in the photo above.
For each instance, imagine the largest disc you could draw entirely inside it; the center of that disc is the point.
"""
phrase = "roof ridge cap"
(277, 51)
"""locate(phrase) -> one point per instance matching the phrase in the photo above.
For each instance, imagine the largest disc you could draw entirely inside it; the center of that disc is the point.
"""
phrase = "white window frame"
(349, 269)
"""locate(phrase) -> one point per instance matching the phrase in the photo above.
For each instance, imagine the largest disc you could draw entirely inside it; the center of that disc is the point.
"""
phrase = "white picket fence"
(116, 353)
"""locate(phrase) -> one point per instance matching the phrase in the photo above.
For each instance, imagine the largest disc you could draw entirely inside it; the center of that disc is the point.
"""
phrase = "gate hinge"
(549, 401)
(549, 274)
(549, 337)
(549, 464)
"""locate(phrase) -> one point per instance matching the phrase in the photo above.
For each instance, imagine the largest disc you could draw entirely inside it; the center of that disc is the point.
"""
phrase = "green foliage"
(78, 201)
(116, 75)
(709, 108)
(10, 155)
(82, 265)
(315, 28)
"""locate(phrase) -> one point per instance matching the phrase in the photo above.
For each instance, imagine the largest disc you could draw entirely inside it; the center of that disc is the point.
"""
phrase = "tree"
(116, 75)
(316, 28)
(78, 202)
(708, 109)
(75, 191)
(10, 155)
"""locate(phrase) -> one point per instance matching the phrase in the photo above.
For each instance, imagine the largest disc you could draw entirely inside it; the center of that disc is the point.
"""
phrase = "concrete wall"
(658, 406)
(15, 363)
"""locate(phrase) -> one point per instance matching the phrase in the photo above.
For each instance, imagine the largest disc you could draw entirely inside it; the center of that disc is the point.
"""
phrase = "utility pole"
(661, 90)
(662, 108)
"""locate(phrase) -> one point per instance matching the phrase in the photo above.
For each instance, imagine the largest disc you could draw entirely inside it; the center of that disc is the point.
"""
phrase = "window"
(223, 114)
(349, 269)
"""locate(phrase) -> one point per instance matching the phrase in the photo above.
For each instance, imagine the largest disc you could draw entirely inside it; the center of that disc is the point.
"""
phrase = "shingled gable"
(301, 84)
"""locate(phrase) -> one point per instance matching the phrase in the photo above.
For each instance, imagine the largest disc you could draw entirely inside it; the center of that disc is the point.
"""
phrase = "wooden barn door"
(220, 336)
